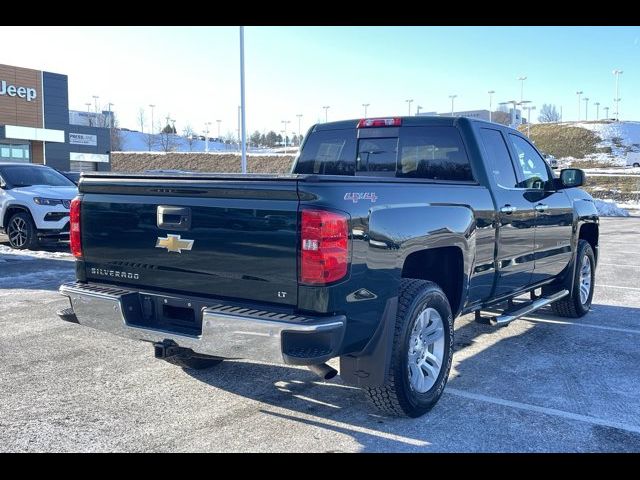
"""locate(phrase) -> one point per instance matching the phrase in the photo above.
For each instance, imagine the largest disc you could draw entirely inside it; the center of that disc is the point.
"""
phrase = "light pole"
(586, 109)
(365, 105)
(219, 122)
(242, 104)
(597, 104)
(95, 100)
(606, 112)
(299, 132)
(418, 108)
(285, 122)
(617, 73)
(452, 97)
(326, 109)
(528, 109)
(206, 136)
(152, 107)
(579, 92)
(490, 92)
(522, 79)
(409, 102)
(513, 103)
(110, 122)
(88, 104)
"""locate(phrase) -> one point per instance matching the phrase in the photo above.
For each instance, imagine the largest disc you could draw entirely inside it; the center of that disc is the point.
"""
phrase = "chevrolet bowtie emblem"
(173, 243)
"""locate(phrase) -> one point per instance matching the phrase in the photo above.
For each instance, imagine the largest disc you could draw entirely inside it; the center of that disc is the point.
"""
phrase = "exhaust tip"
(324, 371)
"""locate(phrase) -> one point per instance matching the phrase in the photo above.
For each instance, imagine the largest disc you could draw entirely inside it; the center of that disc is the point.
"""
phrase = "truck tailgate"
(212, 237)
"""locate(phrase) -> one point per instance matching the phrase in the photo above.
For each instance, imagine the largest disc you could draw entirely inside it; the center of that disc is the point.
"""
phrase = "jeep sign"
(13, 91)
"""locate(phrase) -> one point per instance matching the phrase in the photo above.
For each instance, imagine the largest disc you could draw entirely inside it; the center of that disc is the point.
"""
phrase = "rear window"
(328, 152)
(435, 153)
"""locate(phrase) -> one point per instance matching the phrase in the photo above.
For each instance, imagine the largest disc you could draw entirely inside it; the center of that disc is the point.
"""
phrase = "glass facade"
(15, 152)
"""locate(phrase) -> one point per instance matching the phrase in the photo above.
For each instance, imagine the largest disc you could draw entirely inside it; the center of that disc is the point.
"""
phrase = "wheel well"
(443, 266)
(590, 233)
(13, 209)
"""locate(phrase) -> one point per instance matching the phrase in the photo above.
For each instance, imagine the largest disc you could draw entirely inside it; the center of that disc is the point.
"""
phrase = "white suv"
(34, 204)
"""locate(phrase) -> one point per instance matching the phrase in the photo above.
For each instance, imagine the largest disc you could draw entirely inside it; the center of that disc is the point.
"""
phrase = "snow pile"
(609, 208)
(137, 141)
(625, 134)
(32, 254)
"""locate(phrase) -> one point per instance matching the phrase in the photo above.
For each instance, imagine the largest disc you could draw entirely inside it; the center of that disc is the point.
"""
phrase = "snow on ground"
(614, 171)
(609, 208)
(33, 254)
(35, 279)
(628, 134)
(138, 142)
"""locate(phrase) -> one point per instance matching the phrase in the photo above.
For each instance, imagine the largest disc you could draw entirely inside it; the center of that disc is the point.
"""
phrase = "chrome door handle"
(542, 207)
(508, 209)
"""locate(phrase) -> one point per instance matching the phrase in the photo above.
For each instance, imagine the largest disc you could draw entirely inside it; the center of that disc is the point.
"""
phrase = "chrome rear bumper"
(227, 331)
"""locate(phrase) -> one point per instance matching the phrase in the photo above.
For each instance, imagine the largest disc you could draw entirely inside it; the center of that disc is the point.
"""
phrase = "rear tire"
(22, 232)
(194, 362)
(636, 165)
(422, 352)
(578, 303)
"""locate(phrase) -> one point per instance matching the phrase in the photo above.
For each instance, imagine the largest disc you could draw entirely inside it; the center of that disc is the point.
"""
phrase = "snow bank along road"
(543, 383)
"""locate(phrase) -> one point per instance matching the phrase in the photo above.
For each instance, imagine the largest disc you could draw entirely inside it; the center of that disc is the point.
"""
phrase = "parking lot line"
(598, 327)
(547, 411)
(617, 265)
(615, 286)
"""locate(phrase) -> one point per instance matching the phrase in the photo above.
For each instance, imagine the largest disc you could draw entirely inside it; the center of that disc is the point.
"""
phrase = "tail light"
(380, 122)
(74, 228)
(324, 247)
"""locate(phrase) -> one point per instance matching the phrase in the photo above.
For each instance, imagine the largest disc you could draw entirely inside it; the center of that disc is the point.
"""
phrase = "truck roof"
(413, 121)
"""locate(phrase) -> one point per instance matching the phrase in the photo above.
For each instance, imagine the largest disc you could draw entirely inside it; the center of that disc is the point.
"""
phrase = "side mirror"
(572, 177)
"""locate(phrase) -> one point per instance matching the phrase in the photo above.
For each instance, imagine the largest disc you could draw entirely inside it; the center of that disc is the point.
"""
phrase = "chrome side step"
(510, 316)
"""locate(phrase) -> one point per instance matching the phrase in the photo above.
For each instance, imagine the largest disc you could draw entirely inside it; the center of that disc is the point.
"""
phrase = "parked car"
(551, 160)
(633, 159)
(34, 204)
(73, 176)
(398, 226)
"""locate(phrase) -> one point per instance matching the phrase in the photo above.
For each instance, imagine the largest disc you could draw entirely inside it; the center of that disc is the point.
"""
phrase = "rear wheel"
(22, 232)
(194, 362)
(636, 165)
(578, 303)
(422, 351)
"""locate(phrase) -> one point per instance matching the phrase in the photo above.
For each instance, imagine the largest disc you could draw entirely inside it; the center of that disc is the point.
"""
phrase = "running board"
(510, 316)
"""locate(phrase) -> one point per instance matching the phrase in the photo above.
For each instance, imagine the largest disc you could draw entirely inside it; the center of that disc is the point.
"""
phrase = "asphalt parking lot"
(543, 383)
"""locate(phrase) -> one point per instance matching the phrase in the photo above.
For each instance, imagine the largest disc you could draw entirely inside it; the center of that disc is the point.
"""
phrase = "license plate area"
(171, 314)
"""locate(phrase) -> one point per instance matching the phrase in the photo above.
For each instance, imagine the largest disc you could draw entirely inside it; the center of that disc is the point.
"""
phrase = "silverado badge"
(173, 243)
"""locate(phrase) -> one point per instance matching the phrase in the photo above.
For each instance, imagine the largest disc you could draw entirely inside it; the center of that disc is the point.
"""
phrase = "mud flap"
(370, 367)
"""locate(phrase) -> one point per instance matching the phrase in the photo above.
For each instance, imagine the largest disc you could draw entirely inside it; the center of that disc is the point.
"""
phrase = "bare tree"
(501, 117)
(141, 118)
(150, 140)
(167, 141)
(190, 135)
(548, 114)
(115, 134)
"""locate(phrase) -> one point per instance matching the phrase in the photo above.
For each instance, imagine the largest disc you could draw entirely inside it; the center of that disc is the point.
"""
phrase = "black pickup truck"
(385, 231)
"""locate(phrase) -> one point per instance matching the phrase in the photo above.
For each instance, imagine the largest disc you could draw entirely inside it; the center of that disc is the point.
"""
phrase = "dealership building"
(36, 125)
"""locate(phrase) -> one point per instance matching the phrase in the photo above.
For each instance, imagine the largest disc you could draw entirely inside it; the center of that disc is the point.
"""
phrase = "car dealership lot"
(543, 383)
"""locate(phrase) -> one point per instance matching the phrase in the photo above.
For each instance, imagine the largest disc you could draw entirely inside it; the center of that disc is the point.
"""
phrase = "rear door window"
(435, 153)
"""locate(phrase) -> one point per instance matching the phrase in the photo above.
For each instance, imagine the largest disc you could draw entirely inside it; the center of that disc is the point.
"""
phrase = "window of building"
(14, 152)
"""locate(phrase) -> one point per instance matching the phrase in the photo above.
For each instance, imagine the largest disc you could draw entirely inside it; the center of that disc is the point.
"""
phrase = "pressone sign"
(27, 93)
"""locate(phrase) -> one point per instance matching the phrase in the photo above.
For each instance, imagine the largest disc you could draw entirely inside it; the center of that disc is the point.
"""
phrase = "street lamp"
(152, 107)
(95, 100)
(490, 92)
(452, 97)
(206, 136)
(409, 102)
(365, 105)
(606, 112)
(299, 132)
(617, 73)
(285, 122)
(586, 109)
(219, 122)
(513, 103)
(522, 79)
(597, 104)
(326, 109)
(88, 104)
(418, 108)
(528, 109)
(579, 92)
(110, 105)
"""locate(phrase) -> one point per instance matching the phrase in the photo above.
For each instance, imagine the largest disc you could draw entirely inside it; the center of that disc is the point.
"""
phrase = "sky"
(192, 74)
